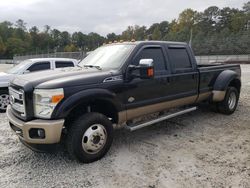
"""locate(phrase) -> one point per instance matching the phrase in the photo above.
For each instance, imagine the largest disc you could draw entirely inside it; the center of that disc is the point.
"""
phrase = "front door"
(141, 94)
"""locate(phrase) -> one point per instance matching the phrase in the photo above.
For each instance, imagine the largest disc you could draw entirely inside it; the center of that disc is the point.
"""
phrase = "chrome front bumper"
(52, 129)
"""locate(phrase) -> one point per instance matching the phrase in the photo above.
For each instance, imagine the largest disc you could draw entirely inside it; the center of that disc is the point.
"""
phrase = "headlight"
(45, 101)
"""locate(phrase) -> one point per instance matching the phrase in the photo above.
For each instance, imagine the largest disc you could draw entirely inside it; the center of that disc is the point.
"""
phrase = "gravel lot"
(201, 149)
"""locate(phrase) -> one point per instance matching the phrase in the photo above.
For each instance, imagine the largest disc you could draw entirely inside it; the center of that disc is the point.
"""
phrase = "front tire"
(90, 137)
(4, 100)
(230, 102)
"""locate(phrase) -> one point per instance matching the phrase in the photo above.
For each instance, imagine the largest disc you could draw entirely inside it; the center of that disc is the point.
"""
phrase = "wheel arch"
(225, 79)
(4, 88)
(97, 100)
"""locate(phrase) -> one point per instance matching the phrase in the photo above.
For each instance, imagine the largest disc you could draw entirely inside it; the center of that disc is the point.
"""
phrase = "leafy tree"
(246, 7)
(164, 28)
(70, 48)
(6, 30)
(128, 34)
(112, 37)
(65, 38)
(2, 47)
(156, 35)
(55, 38)
(15, 46)
(215, 31)
(47, 28)
(20, 24)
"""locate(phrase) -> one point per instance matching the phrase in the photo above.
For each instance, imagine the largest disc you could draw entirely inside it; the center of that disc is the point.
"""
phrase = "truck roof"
(152, 42)
(52, 59)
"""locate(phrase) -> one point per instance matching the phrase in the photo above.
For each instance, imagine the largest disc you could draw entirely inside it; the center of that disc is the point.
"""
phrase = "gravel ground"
(201, 149)
(4, 67)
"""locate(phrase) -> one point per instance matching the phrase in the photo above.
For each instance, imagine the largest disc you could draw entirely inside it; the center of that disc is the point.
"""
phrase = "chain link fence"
(223, 58)
(80, 55)
(6, 61)
(73, 55)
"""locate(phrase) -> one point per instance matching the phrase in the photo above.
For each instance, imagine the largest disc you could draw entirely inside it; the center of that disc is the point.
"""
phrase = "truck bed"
(209, 73)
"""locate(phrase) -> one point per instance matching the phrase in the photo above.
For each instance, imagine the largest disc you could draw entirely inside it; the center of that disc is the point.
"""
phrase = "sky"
(101, 16)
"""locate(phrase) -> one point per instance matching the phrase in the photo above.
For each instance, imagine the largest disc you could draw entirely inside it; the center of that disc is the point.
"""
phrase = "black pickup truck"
(116, 84)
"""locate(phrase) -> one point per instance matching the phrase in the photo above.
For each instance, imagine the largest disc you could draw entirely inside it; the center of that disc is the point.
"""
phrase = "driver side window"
(154, 53)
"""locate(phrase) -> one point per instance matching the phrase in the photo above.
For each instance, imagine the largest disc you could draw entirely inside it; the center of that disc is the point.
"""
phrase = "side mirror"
(145, 67)
(26, 72)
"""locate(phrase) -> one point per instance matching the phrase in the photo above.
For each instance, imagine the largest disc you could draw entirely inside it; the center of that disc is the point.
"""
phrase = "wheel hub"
(94, 139)
(4, 101)
(232, 100)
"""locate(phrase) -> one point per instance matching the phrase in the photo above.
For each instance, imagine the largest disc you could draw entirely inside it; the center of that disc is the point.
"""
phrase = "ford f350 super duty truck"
(116, 84)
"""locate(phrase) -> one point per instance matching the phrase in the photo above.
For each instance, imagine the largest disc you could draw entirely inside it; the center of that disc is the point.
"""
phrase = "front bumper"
(52, 129)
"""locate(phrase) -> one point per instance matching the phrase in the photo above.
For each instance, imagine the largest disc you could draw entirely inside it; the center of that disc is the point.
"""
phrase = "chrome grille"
(17, 101)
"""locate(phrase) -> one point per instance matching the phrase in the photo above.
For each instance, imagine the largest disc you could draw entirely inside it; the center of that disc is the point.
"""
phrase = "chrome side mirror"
(146, 62)
(145, 68)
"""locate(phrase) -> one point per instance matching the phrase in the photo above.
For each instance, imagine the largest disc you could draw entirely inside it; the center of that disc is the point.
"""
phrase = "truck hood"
(61, 78)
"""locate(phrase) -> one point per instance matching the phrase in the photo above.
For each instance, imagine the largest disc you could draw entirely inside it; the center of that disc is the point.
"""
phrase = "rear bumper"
(52, 129)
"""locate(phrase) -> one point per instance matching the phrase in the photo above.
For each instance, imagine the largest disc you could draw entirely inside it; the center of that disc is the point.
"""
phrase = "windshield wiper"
(93, 66)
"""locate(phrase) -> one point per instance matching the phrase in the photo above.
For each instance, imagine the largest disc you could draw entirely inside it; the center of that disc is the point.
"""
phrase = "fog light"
(41, 133)
(36, 133)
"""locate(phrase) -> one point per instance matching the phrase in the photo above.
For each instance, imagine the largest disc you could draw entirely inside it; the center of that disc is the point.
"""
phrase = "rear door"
(184, 79)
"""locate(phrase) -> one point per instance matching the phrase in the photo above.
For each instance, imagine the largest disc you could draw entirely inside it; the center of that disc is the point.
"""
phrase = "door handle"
(168, 80)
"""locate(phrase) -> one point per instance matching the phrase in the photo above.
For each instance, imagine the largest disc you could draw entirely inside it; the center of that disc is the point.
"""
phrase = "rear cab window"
(62, 64)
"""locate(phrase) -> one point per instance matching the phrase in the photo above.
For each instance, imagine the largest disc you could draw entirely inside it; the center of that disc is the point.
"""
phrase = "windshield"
(19, 67)
(108, 57)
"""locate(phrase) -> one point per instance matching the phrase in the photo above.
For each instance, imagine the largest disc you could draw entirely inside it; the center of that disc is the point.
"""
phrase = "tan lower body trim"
(218, 95)
(149, 109)
(204, 96)
(52, 128)
(122, 117)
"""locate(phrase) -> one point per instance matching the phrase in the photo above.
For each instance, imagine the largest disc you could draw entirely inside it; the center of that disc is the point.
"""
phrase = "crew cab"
(28, 66)
(111, 88)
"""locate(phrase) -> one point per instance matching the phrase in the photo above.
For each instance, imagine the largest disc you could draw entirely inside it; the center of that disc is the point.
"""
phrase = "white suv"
(27, 66)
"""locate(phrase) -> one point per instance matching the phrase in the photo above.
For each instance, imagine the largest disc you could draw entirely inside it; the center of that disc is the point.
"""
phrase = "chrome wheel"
(4, 101)
(232, 100)
(94, 139)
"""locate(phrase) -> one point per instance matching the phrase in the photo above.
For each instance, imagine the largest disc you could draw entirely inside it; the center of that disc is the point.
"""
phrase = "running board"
(162, 118)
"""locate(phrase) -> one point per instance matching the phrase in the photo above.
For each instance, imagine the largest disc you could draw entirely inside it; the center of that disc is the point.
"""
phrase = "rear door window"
(61, 64)
(179, 58)
(39, 66)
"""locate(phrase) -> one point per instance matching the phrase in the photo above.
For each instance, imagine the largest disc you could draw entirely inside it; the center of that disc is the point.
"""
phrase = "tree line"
(213, 31)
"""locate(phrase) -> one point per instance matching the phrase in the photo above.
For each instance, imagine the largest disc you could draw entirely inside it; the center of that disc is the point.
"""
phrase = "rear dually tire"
(230, 102)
